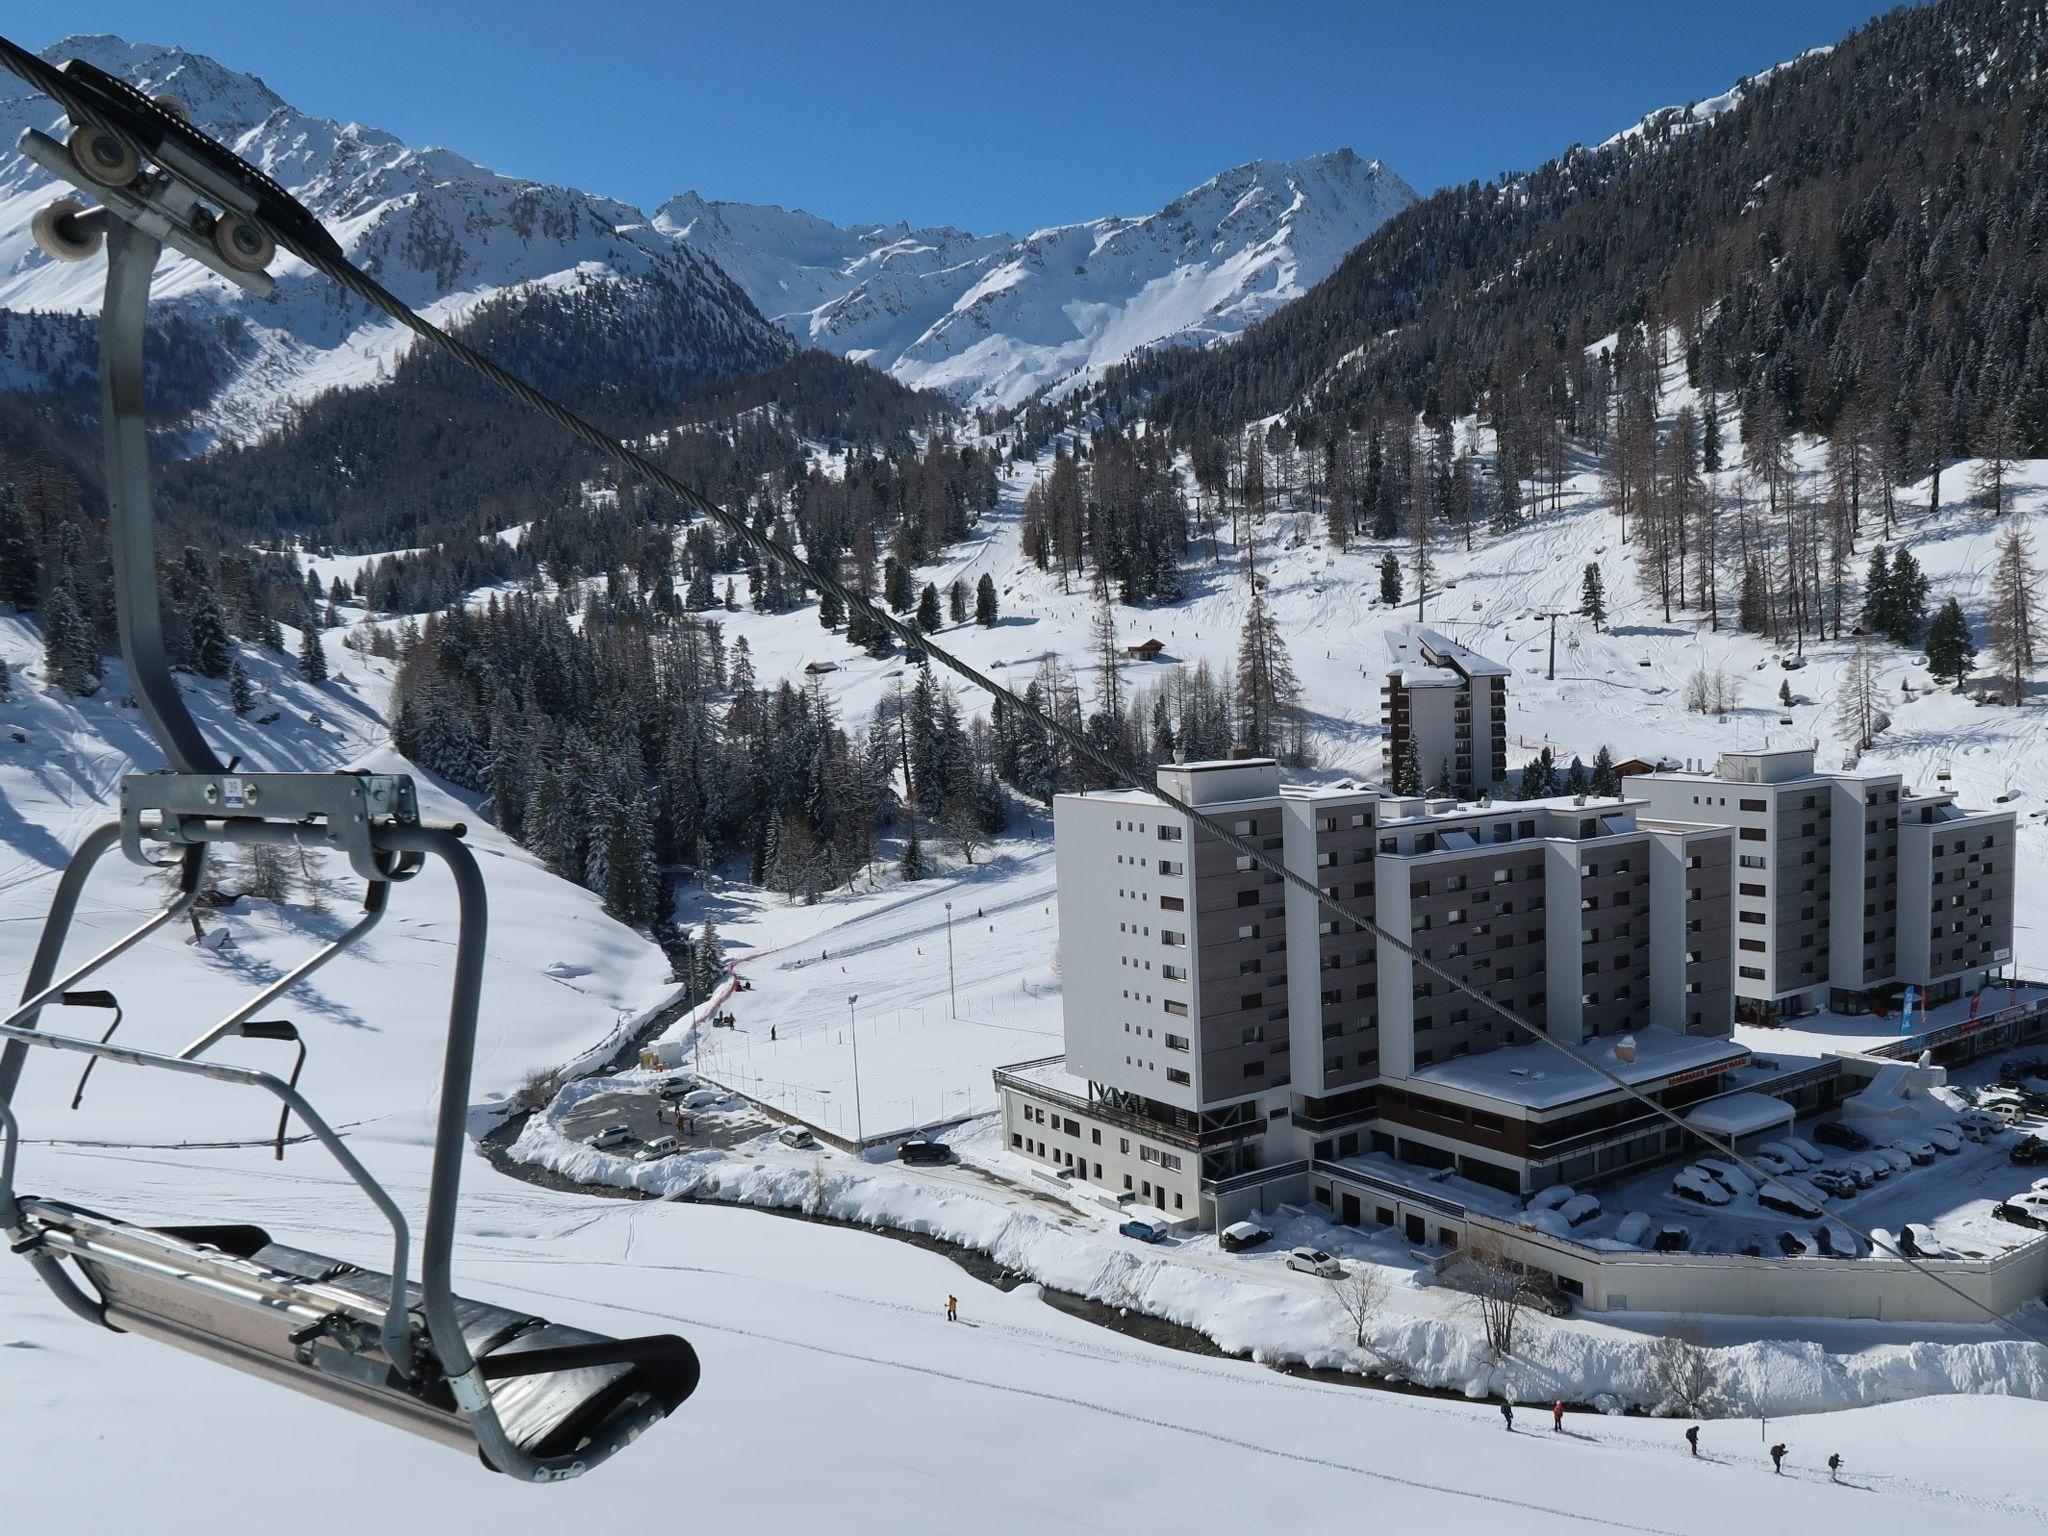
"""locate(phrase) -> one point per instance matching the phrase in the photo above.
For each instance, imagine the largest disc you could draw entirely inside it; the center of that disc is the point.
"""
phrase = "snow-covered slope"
(991, 319)
(440, 231)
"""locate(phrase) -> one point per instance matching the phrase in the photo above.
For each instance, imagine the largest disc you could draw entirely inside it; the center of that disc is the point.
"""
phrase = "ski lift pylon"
(536, 1400)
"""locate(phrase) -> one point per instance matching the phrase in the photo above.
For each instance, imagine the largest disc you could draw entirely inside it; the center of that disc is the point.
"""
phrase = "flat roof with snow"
(1537, 1076)
(1740, 1114)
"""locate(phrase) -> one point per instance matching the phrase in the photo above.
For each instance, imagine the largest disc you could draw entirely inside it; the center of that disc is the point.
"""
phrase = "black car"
(1672, 1240)
(2018, 1215)
(2029, 1152)
(922, 1149)
(1834, 1133)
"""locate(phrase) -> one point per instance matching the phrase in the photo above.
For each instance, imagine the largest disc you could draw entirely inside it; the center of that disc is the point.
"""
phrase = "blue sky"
(981, 115)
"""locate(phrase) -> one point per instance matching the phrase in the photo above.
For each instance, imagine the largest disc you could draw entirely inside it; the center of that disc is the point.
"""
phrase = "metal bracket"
(338, 810)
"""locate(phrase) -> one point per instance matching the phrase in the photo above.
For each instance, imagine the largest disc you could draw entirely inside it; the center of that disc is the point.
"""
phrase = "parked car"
(1313, 1261)
(1550, 1199)
(676, 1087)
(1867, 1170)
(1579, 1210)
(1834, 1133)
(1632, 1229)
(609, 1136)
(796, 1136)
(655, 1150)
(1833, 1181)
(1698, 1185)
(1805, 1149)
(921, 1148)
(702, 1098)
(1792, 1245)
(2008, 1108)
(1738, 1182)
(2029, 1150)
(1787, 1197)
(1943, 1140)
(2019, 1215)
(1144, 1231)
(1977, 1125)
(1893, 1157)
(2017, 1069)
(1672, 1238)
(1770, 1162)
(1836, 1241)
(1240, 1235)
(1787, 1154)
(1920, 1152)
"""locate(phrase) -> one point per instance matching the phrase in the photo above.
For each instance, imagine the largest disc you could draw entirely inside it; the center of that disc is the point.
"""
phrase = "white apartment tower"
(1446, 714)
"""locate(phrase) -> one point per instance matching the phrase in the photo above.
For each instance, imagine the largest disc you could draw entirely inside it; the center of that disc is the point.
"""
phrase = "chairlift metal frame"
(537, 1401)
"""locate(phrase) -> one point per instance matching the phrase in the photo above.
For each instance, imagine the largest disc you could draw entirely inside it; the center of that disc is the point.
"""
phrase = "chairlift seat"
(311, 1322)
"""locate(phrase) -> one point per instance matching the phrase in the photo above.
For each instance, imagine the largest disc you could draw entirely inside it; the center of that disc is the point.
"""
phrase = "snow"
(1537, 1076)
(992, 319)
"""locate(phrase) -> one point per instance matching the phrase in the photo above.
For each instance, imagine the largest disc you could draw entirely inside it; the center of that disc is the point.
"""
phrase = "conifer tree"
(1905, 605)
(985, 601)
(208, 628)
(312, 656)
(928, 618)
(2013, 610)
(21, 571)
(1593, 597)
(831, 612)
(956, 601)
(71, 653)
(1390, 578)
(241, 696)
(1951, 648)
(1605, 780)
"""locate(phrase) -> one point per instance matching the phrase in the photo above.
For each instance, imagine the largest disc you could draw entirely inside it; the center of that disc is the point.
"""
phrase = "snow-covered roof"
(1539, 1076)
(1740, 1114)
(1425, 658)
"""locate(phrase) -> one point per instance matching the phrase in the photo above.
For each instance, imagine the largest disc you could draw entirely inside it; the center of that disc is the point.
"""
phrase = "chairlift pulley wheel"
(102, 157)
(60, 234)
(242, 244)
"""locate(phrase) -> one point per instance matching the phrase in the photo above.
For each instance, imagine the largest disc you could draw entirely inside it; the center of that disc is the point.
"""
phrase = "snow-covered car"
(1698, 1185)
(796, 1136)
(1770, 1162)
(1787, 1196)
(1894, 1157)
(609, 1136)
(1943, 1140)
(1672, 1238)
(1579, 1210)
(2019, 1214)
(1792, 1245)
(2007, 1107)
(1833, 1181)
(1144, 1231)
(655, 1150)
(1836, 1240)
(1240, 1235)
(1805, 1149)
(1313, 1261)
(1633, 1229)
(1867, 1170)
(921, 1148)
(1977, 1125)
(1920, 1151)
(1738, 1182)
(1785, 1153)
(1550, 1199)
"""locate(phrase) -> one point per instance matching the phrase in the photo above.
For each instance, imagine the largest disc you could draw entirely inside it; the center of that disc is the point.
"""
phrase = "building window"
(1176, 1076)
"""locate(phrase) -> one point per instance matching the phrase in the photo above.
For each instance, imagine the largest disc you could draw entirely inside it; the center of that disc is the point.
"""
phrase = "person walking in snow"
(1507, 1414)
(1835, 1467)
(952, 1309)
(1778, 1458)
(1557, 1416)
(1692, 1438)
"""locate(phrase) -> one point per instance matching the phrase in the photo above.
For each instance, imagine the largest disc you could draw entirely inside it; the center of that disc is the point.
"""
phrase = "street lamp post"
(952, 999)
(853, 1031)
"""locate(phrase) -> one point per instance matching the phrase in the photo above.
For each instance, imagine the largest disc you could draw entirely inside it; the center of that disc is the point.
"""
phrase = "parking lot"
(726, 1124)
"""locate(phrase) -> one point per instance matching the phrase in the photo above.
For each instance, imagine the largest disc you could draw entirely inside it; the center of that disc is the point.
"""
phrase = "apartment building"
(1445, 708)
(1243, 1024)
(1849, 887)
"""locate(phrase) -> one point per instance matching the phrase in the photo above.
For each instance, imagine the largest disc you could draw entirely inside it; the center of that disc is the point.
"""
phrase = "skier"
(1507, 1414)
(1835, 1467)
(952, 1309)
(1778, 1459)
(1692, 1438)
(771, 1031)
(1557, 1416)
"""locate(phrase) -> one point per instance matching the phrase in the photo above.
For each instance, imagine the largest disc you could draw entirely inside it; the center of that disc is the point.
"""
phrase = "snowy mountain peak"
(991, 319)
(443, 232)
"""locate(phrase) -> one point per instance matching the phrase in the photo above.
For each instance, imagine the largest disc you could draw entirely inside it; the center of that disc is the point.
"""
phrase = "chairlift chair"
(535, 1400)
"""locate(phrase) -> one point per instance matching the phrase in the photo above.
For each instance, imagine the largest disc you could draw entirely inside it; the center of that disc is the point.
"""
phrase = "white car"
(1550, 1199)
(1805, 1149)
(1698, 1185)
(1786, 1153)
(702, 1098)
(1943, 1140)
(1633, 1229)
(796, 1136)
(655, 1150)
(609, 1136)
(1313, 1261)
(1579, 1210)
(1977, 1125)
(1866, 1170)
(1895, 1157)
(1770, 1162)
(1919, 1151)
